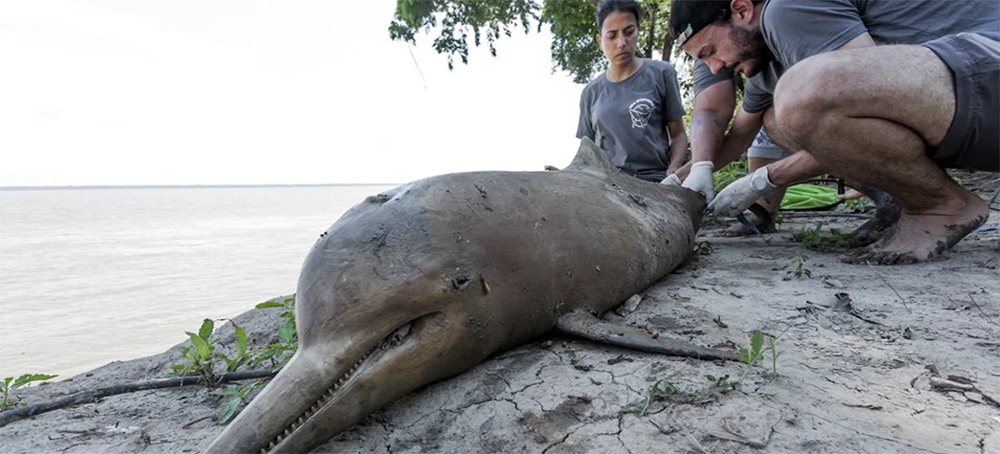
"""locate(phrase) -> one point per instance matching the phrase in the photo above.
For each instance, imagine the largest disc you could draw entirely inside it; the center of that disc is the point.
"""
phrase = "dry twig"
(10, 416)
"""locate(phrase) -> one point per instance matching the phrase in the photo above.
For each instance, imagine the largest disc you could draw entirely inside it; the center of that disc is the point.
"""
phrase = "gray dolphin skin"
(429, 279)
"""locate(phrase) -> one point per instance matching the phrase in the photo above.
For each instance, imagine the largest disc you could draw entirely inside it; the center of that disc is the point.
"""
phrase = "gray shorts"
(763, 147)
(972, 142)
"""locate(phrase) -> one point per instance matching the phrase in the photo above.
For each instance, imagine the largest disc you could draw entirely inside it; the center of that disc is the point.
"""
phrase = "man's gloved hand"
(734, 199)
(672, 180)
(700, 179)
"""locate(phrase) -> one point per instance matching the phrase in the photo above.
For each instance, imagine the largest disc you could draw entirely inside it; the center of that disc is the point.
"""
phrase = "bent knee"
(809, 90)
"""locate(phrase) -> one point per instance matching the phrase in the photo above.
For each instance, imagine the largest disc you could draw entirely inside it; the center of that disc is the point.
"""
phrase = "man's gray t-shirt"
(702, 76)
(628, 119)
(795, 30)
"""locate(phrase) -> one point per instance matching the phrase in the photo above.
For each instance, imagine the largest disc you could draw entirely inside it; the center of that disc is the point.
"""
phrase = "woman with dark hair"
(633, 110)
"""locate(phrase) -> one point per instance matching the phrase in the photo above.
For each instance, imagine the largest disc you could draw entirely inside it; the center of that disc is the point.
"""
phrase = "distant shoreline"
(187, 186)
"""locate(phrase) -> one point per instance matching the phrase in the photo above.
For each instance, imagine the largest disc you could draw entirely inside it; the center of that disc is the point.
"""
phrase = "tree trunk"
(651, 35)
(668, 46)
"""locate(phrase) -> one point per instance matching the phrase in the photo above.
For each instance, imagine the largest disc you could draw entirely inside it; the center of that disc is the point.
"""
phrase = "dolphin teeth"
(301, 420)
(270, 446)
(287, 432)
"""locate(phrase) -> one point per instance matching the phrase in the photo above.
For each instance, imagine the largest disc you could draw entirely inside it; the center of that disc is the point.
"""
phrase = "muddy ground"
(865, 355)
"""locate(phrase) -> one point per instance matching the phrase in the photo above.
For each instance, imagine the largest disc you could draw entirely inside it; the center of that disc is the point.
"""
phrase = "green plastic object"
(809, 197)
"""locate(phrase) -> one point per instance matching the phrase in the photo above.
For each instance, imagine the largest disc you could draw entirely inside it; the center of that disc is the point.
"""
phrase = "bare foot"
(851, 195)
(887, 212)
(922, 237)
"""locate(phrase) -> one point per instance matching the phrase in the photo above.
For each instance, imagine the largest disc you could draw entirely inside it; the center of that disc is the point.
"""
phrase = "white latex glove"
(734, 199)
(700, 179)
(672, 180)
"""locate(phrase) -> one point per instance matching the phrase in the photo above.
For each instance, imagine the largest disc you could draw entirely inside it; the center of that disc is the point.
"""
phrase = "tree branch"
(10, 416)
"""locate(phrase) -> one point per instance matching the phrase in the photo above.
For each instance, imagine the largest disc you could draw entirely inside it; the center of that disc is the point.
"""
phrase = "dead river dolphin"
(429, 279)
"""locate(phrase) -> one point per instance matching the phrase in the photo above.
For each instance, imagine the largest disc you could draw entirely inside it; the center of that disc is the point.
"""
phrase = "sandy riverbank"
(855, 379)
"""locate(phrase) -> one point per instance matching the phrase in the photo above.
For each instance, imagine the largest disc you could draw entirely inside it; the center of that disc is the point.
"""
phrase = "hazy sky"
(256, 92)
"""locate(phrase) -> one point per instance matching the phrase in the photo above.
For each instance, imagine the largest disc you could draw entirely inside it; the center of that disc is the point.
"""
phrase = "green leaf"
(263, 356)
(202, 347)
(206, 329)
(231, 390)
(269, 304)
(241, 340)
(228, 410)
(287, 332)
(27, 378)
(757, 343)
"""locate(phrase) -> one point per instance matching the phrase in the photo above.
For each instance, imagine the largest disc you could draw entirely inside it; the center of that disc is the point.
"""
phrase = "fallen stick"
(948, 385)
(9, 416)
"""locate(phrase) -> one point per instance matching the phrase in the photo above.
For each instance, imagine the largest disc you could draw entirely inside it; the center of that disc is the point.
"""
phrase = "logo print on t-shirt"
(640, 110)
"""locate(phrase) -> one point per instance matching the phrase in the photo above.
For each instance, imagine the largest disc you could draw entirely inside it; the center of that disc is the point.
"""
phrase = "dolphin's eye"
(461, 282)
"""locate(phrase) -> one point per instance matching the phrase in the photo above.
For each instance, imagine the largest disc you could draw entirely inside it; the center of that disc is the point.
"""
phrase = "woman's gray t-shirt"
(628, 119)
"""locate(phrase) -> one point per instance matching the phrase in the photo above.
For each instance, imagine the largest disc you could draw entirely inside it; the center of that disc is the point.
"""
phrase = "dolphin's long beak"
(292, 396)
(306, 404)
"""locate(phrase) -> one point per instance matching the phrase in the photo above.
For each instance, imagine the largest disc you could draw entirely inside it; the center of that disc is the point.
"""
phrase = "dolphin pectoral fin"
(587, 326)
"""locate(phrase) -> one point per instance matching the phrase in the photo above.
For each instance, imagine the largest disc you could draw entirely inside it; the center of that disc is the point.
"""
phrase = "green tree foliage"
(459, 20)
(571, 23)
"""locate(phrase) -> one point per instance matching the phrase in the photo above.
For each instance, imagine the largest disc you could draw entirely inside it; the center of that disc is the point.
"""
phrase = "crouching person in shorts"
(886, 115)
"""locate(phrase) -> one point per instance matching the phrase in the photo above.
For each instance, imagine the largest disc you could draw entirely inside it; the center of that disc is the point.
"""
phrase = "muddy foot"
(920, 238)
(887, 211)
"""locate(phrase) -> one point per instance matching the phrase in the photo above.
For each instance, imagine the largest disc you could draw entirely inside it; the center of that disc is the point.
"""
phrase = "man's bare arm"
(740, 137)
(713, 108)
(798, 167)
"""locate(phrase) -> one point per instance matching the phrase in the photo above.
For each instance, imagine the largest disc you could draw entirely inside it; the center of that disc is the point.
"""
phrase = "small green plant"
(722, 382)
(238, 399)
(751, 355)
(201, 355)
(704, 248)
(10, 384)
(730, 173)
(660, 389)
(814, 240)
(772, 347)
(797, 262)
(278, 353)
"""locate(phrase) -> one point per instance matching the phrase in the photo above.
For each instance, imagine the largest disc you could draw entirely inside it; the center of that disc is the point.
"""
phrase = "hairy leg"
(869, 115)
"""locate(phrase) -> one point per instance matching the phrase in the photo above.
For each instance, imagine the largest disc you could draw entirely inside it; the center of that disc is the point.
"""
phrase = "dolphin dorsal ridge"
(592, 159)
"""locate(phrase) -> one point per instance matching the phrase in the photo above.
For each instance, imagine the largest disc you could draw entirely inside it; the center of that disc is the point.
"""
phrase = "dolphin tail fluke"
(584, 325)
